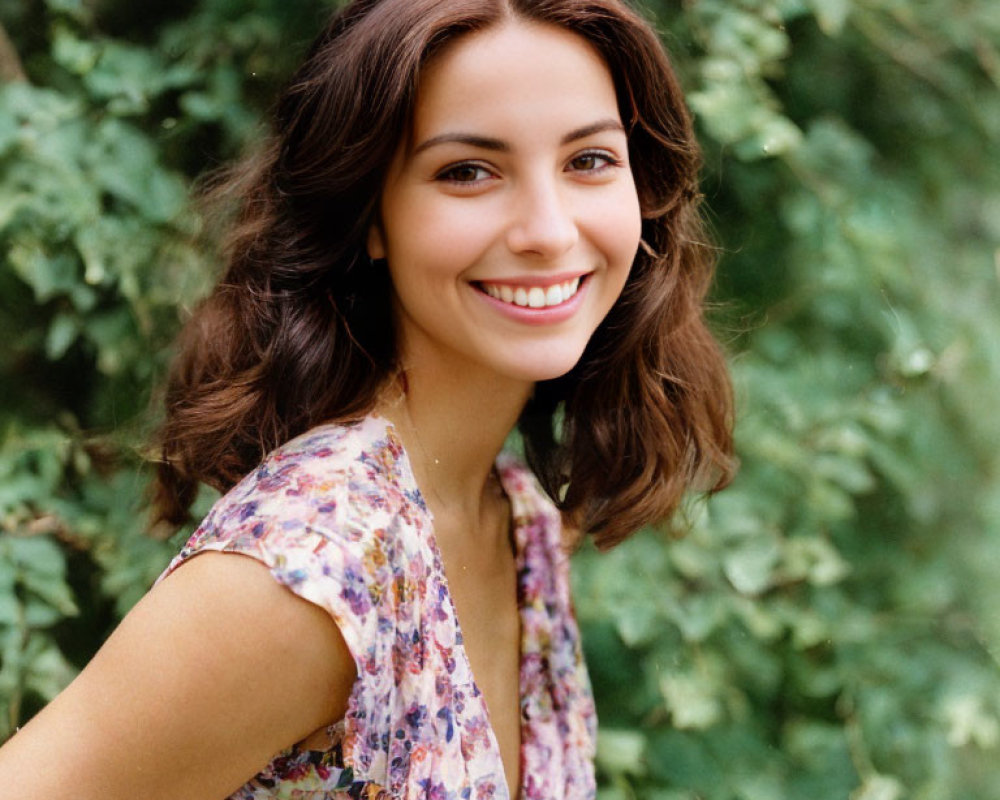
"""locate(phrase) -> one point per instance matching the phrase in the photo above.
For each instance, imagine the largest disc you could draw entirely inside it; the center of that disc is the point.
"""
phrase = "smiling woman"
(473, 216)
(518, 179)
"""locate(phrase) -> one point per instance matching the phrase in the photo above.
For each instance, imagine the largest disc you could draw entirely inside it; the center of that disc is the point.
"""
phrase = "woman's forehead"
(511, 71)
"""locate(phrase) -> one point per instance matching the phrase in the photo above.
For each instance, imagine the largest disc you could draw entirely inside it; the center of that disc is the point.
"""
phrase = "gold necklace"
(401, 398)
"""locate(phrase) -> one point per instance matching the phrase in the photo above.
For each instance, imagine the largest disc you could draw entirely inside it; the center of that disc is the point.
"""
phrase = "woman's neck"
(453, 426)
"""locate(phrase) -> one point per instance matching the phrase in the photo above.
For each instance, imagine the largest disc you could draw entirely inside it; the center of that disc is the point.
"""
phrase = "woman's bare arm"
(217, 669)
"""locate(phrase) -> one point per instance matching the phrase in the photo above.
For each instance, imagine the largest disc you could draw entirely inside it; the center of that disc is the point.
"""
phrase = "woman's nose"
(542, 222)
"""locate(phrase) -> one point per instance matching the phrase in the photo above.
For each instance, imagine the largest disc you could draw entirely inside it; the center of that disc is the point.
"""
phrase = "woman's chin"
(535, 370)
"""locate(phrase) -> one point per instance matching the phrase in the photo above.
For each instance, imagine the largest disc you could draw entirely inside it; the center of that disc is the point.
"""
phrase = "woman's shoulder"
(335, 516)
(336, 480)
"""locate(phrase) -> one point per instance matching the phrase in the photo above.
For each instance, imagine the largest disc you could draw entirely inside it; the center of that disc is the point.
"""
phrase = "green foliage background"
(830, 626)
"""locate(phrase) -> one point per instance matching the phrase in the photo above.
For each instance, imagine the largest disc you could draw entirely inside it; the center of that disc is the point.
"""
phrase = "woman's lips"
(534, 303)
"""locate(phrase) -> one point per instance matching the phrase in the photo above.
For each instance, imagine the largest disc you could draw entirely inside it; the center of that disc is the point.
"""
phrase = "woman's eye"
(464, 173)
(593, 162)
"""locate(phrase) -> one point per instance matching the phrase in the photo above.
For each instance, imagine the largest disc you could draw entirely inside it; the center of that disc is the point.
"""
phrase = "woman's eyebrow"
(499, 145)
(601, 126)
(482, 142)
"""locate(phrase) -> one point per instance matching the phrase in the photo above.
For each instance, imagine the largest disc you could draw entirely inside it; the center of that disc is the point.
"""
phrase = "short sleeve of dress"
(298, 513)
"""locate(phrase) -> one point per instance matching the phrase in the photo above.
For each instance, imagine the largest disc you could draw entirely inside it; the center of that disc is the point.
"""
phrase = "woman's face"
(510, 218)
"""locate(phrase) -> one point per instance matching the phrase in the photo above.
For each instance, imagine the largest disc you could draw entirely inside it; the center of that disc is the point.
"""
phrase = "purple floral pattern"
(337, 517)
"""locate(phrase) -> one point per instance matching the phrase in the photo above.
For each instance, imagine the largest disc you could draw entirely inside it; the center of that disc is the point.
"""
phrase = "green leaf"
(10, 609)
(76, 55)
(691, 701)
(48, 672)
(831, 15)
(47, 274)
(879, 787)
(750, 565)
(621, 751)
(63, 332)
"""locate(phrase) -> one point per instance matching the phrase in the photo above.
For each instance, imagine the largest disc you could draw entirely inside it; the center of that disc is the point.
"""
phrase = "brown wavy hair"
(299, 329)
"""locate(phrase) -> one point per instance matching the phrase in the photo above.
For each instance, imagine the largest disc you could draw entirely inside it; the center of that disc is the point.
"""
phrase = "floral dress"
(337, 517)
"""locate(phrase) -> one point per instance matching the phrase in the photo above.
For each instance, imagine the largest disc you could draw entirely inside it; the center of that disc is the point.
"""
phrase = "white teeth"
(533, 296)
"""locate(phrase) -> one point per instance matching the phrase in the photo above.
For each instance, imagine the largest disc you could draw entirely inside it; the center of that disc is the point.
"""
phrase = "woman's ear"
(374, 244)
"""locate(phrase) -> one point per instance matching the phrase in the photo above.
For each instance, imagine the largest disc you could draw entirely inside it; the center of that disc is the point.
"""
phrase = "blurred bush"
(829, 626)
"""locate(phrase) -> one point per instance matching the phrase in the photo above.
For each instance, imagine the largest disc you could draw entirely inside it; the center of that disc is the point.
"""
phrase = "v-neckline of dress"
(517, 534)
